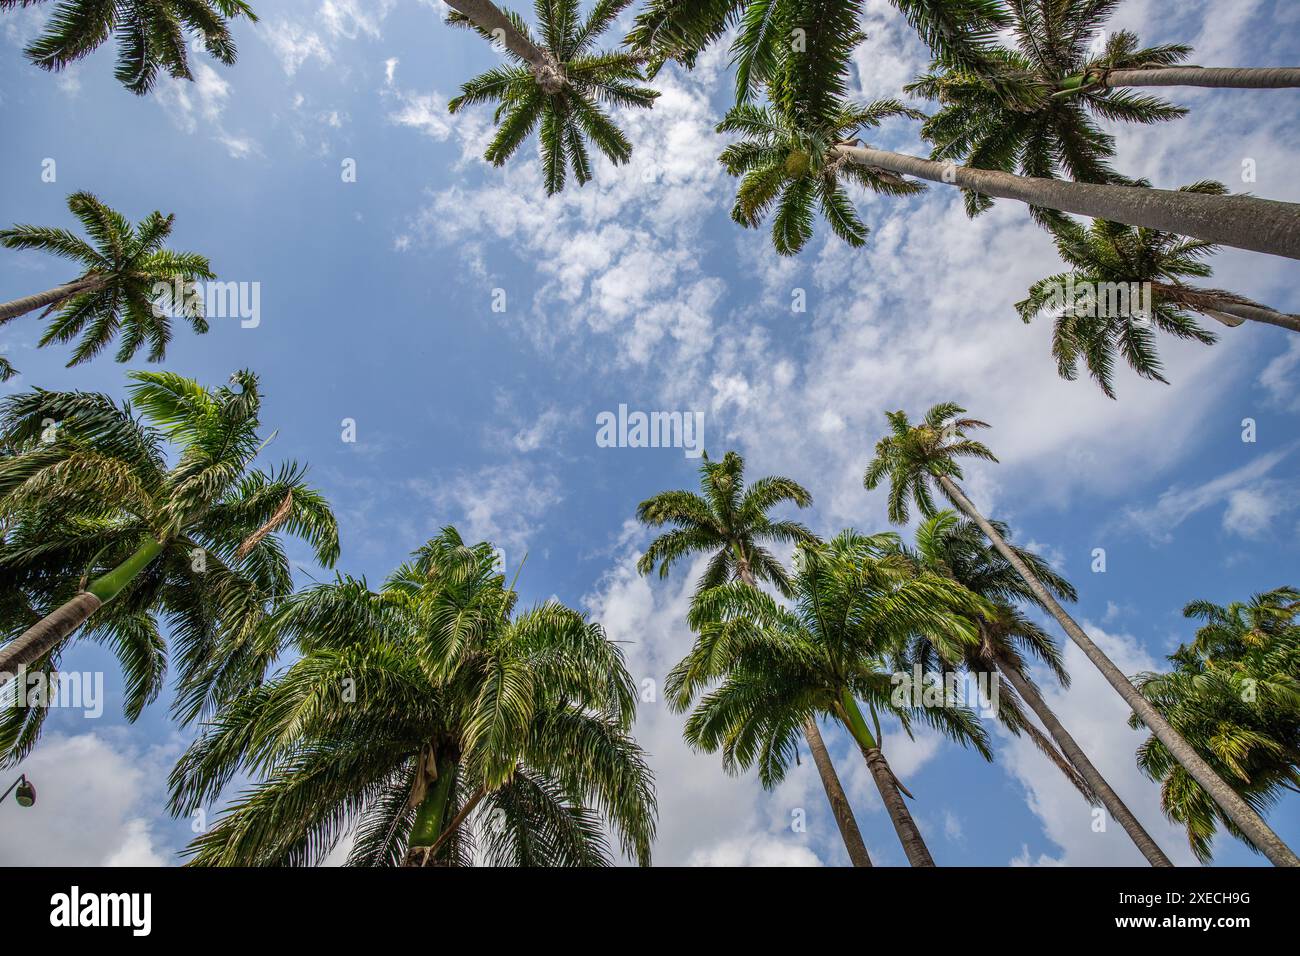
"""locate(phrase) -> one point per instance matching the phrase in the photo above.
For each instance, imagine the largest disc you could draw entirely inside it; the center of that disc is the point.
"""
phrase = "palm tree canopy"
(790, 166)
(532, 709)
(125, 266)
(1010, 114)
(912, 457)
(88, 480)
(957, 31)
(569, 108)
(1108, 255)
(759, 670)
(728, 519)
(1234, 695)
(151, 36)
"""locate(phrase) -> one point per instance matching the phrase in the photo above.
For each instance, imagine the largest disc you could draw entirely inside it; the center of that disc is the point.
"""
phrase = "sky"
(473, 329)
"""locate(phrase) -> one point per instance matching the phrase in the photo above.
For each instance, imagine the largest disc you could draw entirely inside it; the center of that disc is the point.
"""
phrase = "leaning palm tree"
(1234, 694)
(915, 457)
(1037, 112)
(151, 36)
(793, 170)
(559, 85)
(759, 671)
(1034, 133)
(1101, 305)
(731, 521)
(120, 290)
(107, 528)
(946, 544)
(430, 720)
(1240, 221)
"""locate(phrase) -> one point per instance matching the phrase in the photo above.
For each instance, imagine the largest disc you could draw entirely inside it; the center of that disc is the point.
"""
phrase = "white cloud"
(762, 851)
(93, 807)
(504, 504)
(1250, 504)
(295, 45)
(199, 105)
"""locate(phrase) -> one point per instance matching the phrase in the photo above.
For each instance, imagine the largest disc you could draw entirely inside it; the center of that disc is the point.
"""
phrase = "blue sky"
(377, 303)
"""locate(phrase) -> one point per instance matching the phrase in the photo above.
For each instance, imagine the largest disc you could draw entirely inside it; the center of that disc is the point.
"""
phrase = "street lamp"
(26, 795)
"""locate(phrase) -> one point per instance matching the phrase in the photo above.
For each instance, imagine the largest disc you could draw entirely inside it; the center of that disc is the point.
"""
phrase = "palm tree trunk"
(1225, 307)
(42, 300)
(1091, 775)
(47, 633)
(1244, 222)
(918, 854)
(1237, 810)
(487, 16)
(1219, 77)
(839, 801)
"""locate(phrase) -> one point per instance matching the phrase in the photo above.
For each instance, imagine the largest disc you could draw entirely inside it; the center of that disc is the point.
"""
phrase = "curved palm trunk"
(839, 800)
(1244, 222)
(1250, 823)
(918, 854)
(1219, 77)
(1225, 307)
(1091, 775)
(43, 300)
(489, 17)
(47, 633)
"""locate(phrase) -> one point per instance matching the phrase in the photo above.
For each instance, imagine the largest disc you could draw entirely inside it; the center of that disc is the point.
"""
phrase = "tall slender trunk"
(490, 18)
(1219, 77)
(839, 801)
(42, 300)
(918, 854)
(47, 633)
(1091, 775)
(1244, 222)
(1225, 307)
(1251, 823)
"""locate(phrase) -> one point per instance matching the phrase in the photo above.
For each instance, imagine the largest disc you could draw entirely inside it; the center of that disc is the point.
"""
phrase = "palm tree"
(101, 531)
(957, 31)
(913, 458)
(731, 521)
(777, 668)
(415, 706)
(118, 291)
(1035, 111)
(559, 86)
(1027, 131)
(151, 36)
(1234, 695)
(1106, 256)
(957, 548)
(789, 168)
